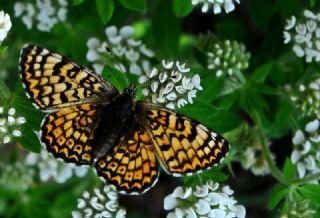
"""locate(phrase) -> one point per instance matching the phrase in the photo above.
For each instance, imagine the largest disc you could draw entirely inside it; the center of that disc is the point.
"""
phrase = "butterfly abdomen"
(114, 117)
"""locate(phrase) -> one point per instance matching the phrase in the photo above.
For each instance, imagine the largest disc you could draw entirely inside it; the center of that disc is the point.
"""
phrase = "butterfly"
(89, 122)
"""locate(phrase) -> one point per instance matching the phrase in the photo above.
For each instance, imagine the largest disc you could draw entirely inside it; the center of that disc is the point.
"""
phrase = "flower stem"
(306, 179)
(267, 154)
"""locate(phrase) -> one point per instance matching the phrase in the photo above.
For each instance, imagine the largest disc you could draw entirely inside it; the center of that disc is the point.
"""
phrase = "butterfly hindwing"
(53, 81)
(182, 145)
(69, 133)
(131, 163)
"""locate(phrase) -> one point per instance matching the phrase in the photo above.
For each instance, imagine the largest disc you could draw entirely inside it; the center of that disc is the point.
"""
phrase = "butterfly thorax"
(114, 117)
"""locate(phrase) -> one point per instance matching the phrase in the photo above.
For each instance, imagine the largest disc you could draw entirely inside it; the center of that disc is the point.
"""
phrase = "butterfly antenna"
(118, 63)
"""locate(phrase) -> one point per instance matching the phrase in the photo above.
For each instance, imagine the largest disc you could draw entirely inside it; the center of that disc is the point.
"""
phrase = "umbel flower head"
(216, 5)
(16, 177)
(299, 209)
(306, 149)
(131, 52)
(202, 202)
(45, 13)
(169, 84)
(5, 25)
(100, 204)
(51, 168)
(9, 125)
(249, 152)
(304, 33)
(307, 98)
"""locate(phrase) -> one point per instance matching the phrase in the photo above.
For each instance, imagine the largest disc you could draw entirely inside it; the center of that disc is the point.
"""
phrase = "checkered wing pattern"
(54, 81)
(182, 145)
(131, 164)
(69, 133)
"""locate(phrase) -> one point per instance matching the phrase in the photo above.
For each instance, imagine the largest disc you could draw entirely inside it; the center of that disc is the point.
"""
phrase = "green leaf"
(182, 7)
(276, 195)
(4, 90)
(137, 5)
(77, 2)
(3, 48)
(252, 102)
(289, 170)
(115, 77)
(105, 9)
(311, 191)
(29, 139)
(260, 74)
(215, 119)
(283, 114)
(212, 85)
(207, 176)
(166, 29)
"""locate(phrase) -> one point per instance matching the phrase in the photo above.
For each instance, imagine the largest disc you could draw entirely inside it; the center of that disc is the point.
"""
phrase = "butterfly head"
(131, 90)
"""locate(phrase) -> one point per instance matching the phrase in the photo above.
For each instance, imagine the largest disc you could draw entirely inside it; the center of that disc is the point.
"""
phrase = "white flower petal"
(291, 23)
(312, 126)
(298, 138)
(202, 207)
(170, 202)
(126, 31)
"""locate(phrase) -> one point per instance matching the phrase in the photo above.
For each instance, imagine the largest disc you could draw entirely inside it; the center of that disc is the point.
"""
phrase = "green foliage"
(105, 10)
(258, 97)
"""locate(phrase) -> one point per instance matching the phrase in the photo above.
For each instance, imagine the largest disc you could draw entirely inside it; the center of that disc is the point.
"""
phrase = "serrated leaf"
(276, 195)
(283, 113)
(182, 7)
(105, 9)
(137, 5)
(311, 191)
(289, 170)
(260, 74)
(115, 77)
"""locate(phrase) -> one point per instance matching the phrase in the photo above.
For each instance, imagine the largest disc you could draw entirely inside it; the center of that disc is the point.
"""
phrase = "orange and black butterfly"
(89, 122)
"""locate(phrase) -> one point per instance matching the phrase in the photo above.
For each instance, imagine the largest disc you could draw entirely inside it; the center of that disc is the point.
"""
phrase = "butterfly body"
(89, 122)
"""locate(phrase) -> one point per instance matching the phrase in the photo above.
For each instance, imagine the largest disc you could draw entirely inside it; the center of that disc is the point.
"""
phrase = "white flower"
(170, 85)
(217, 5)
(10, 124)
(225, 58)
(46, 14)
(304, 33)
(100, 204)
(133, 53)
(16, 177)
(305, 153)
(5, 25)
(51, 168)
(205, 201)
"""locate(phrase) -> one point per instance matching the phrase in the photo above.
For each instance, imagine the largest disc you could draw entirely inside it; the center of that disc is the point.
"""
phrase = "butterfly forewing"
(182, 145)
(131, 164)
(69, 133)
(54, 81)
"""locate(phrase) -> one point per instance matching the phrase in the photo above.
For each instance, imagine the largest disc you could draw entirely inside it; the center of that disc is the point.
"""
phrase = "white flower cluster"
(202, 202)
(16, 177)
(170, 86)
(133, 53)
(254, 160)
(306, 153)
(228, 57)
(51, 168)
(9, 125)
(308, 98)
(217, 5)
(5, 25)
(305, 35)
(100, 205)
(46, 13)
